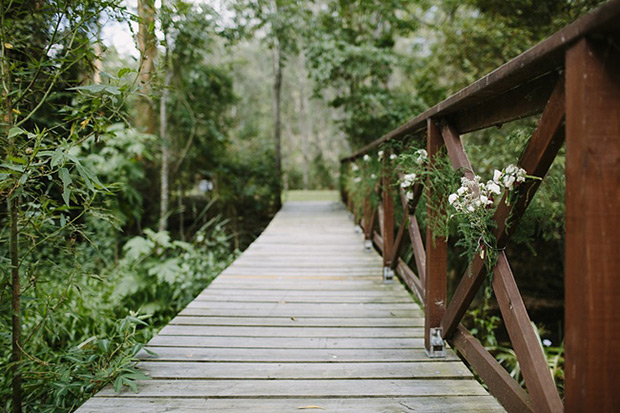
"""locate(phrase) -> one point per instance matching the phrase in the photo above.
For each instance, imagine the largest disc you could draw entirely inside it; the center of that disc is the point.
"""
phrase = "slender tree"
(146, 118)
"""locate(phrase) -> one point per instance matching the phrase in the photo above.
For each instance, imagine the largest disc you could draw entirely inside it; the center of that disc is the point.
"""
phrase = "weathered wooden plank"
(291, 293)
(428, 404)
(335, 307)
(341, 370)
(301, 388)
(298, 322)
(289, 355)
(284, 342)
(263, 331)
(282, 311)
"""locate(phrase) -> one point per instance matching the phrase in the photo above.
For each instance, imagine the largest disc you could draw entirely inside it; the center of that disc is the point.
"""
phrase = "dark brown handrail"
(573, 79)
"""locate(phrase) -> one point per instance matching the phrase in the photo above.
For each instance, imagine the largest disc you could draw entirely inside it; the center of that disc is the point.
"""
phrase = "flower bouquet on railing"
(361, 180)
(473, 206)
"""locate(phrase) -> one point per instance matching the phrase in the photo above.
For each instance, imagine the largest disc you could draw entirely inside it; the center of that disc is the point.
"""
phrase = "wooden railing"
(573, 79)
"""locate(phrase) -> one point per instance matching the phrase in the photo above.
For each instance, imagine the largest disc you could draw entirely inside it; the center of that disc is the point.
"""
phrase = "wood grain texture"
(465, 404)
(302, 318)
(592, 222)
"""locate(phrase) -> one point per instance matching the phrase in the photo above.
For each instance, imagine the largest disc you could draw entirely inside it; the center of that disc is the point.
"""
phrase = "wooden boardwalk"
(301, 321)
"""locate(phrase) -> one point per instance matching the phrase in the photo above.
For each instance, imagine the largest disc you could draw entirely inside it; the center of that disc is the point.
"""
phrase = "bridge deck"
(300, 321)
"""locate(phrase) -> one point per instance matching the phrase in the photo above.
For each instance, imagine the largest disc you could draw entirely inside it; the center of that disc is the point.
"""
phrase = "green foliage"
(351, 59)
(160, 276)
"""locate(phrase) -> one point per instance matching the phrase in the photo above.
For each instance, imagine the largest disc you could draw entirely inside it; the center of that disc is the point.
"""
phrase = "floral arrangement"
(474, 204)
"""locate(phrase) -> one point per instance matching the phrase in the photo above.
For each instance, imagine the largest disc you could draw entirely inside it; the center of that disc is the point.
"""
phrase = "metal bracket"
(368, 245)
(437, 345)
(388, 275)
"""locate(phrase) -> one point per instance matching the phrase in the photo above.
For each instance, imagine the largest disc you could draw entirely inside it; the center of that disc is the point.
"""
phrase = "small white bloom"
(453, 198)
(380, 154)
(393, 156)
(511, 169)
(493, 188)
(471, 208)
(366, 158)
(358, 179)
(462, 190)
(478, 202)
(509, 180)
(421, 156)
(547, 342)
(497, 175)
(404, 185)
(373, 176)
(409, 195)
(355, 168)
(484, 199)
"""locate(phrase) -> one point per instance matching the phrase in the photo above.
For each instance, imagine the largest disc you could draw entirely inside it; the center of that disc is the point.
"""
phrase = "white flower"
(493, 188)
(393, 156)
(511, 169)
(408, 180)
(461, 190)
(366, 158)
(453, 198)
(509, 180)
(373, 176)
(421, 156)
(547, 343)
(497, 175)
(470, 208)
(380, 154)
(358, 179)
(484, 199)
(409, 195)
(355, 168)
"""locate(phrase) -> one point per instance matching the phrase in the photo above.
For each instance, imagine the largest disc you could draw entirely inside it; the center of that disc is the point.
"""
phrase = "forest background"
(129, 181)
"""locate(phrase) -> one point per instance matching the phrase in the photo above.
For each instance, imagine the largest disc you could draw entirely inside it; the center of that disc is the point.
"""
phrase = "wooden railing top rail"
(526, 75)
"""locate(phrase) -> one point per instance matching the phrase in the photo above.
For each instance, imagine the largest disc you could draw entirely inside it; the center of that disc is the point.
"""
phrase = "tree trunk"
(304, 133)
(277, 91)
(97, 66)
(165, 148)
(13, 206)
(16, 354)
(147, 44)
(181, 214)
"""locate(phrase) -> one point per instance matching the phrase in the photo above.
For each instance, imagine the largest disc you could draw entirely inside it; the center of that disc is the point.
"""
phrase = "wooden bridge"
(303, 319)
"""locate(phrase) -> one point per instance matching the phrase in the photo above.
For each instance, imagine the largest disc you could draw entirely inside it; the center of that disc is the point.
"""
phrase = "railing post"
(388, 220)
(368, 224)
(436, 266)
(592, 365)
